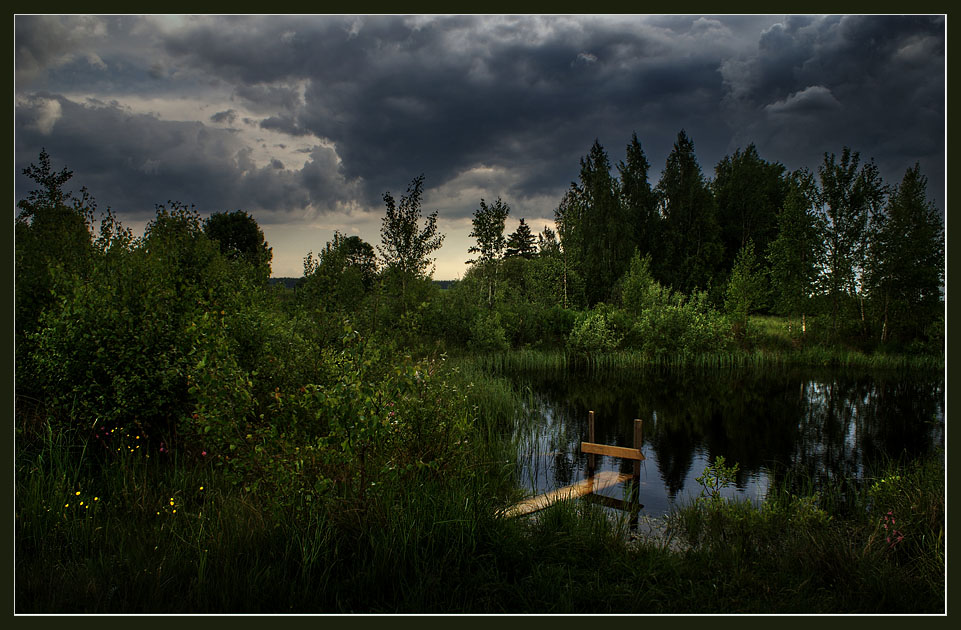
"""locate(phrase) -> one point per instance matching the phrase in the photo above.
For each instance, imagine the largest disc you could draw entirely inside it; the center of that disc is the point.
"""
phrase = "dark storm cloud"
(58, 52)
(227, 116)
(388, 98)
(873, 83)
(404, 96)
(431, 108)
(141, 161)
(43, 42)
(284, 124)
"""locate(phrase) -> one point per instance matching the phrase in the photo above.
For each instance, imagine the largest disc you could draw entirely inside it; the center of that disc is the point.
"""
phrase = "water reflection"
(815, 425)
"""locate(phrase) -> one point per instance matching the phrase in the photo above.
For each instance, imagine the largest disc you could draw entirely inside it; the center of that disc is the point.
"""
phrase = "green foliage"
(488, 229)
(750, 193)
(551, 282)
(240, 238)
(308, 457)
(371, 418)
(717, 476)
(747, 289)
(593, 332)
(487, 334)
(905, 271)
(453, 312)
(906, 514)
(406, 248)
(521, 242)
(691, 247)
(52, 236)
(595, 228)
(488, 223)
(638, 201)
(793, 254)
(340, 278)
(639, 290)
(675, 325)
(113, 350)
(848, 197)
(547, 243)
(533, 325)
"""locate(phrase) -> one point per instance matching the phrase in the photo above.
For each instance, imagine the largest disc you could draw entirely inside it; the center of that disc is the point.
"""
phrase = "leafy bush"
(452, 314)
(370, 418)
(593, 332)
(114, 348)
(487, 334)
(747, 289)
(639, 290)
(675, 325)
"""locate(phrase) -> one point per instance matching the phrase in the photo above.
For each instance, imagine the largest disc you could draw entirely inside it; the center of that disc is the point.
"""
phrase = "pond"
(815, 425)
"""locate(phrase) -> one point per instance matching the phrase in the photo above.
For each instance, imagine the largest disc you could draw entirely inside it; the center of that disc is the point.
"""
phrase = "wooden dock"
(601, 480)
(594, 482)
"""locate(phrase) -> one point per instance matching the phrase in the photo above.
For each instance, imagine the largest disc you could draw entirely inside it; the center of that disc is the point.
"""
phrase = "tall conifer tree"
(691, 245)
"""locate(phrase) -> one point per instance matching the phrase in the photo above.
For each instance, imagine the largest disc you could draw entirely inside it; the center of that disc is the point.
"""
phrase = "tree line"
(630, 263)
(757, 238)
(864, 258)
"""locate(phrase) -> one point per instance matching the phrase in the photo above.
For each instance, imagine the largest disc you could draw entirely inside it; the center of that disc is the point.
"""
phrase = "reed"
(559, 361)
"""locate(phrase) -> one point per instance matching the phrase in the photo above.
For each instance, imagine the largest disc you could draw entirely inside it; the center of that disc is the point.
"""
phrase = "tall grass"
(837, 541)
(560, 361)
(435, 544)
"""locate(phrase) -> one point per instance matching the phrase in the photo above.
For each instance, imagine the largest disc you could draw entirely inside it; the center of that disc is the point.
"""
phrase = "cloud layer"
(296, 118)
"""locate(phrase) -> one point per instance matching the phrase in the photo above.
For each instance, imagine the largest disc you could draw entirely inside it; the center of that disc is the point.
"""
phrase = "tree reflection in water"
(811, 425)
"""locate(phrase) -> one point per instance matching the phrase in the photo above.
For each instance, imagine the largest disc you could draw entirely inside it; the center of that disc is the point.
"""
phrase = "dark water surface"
(814, 424)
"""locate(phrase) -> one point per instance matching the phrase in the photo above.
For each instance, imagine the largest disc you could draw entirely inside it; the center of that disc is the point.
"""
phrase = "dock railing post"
(590, 438)
(638, 443)
(636, 493)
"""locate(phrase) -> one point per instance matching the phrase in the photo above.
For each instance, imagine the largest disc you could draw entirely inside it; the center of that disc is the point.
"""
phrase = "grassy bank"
(170, 534)
(769, 349)
(561, 360)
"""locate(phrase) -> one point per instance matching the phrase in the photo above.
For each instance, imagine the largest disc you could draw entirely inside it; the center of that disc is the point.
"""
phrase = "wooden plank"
(601, 480)
(614, 451)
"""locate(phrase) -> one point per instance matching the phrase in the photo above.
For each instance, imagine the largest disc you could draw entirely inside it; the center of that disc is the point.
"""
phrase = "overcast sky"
(306, 121)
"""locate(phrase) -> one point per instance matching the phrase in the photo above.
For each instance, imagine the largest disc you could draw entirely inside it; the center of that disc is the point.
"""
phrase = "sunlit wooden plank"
(615, 451)
(601, 480)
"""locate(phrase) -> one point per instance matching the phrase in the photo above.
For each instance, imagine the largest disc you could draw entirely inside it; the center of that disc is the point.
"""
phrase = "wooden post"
(638, 442)
(590, 438)
(636, 482)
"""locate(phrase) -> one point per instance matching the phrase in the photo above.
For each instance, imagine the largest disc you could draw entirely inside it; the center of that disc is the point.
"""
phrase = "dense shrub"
(370, 417)
(114, 348)
(593, 332)
(674, 325)
(638, 287)
(487, 334)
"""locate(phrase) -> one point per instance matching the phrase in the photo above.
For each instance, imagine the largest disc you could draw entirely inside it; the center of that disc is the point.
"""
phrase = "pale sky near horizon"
(306, 121)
